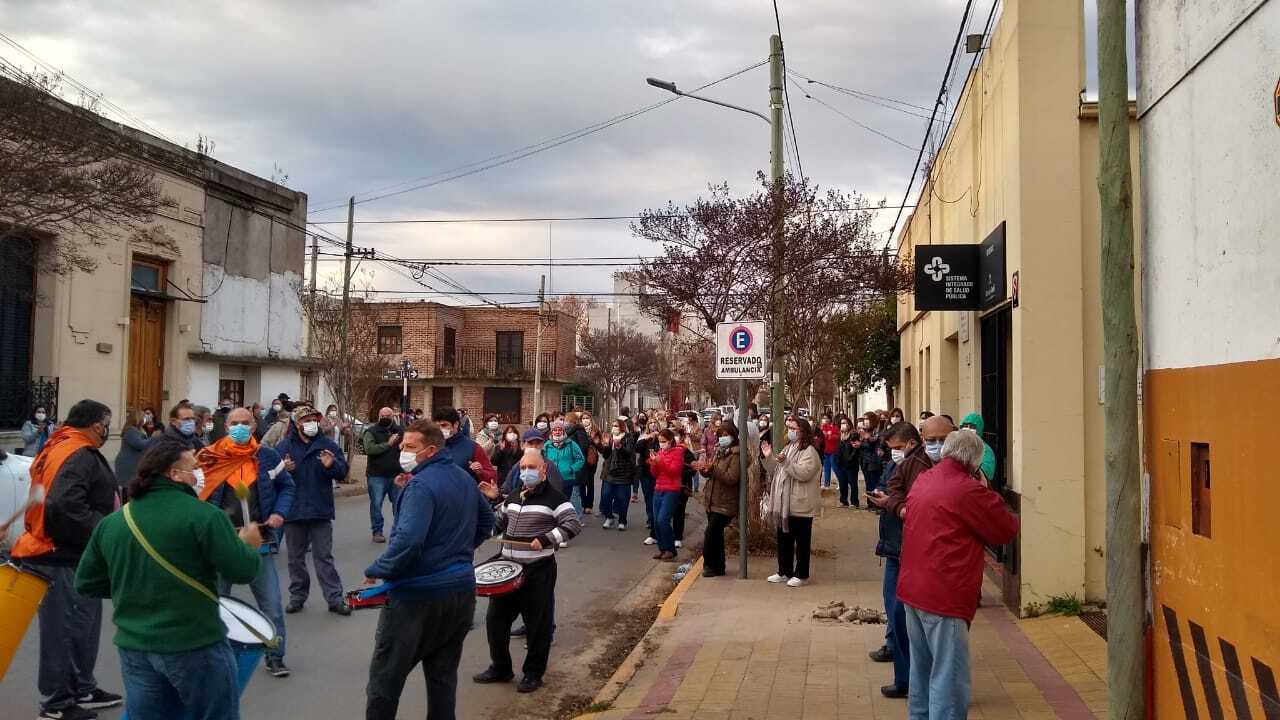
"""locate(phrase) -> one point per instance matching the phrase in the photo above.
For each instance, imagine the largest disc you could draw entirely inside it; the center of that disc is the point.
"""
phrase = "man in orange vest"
(79, 490)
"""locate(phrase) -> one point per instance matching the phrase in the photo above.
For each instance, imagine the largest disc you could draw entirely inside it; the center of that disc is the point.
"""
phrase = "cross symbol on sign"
(937, 269)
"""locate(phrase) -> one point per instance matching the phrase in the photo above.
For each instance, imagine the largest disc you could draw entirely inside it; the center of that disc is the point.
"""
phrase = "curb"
(627, 670)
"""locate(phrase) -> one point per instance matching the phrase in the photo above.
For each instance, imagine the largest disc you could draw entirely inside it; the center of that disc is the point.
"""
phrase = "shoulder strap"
(187, 579)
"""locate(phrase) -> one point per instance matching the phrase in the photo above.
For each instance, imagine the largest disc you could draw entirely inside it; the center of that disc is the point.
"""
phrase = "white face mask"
(587, 423)
(664, 445)
(492, 425)
(617, 435)
(40, 417)
(897, 455)
(208, 427)
(933, 450)
(333, 413)
(446, 432)
(198, 474)
(512, 437)
(408, 460)
(310, 428)
(542, 426)
(277, 408)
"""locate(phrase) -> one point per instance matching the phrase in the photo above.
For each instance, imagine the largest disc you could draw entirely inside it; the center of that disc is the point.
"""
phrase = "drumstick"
(518, 543)
(35, 497)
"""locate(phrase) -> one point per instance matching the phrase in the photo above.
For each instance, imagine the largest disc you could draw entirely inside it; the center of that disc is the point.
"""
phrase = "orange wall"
(1223, 589)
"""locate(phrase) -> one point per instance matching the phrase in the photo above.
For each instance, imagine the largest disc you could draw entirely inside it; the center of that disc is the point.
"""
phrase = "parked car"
(15, 482)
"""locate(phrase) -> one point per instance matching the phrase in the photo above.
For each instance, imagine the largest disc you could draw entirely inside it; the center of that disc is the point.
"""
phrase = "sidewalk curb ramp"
(627, 670)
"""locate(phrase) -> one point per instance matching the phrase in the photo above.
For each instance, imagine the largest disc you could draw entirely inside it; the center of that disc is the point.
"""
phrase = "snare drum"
(498, 577)
(236, 615)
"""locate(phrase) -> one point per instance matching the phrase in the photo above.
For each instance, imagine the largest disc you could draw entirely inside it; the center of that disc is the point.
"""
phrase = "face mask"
(384, 422)
(895, 419)
(198, 474)
(542, 426)
(310, 428)
(147, 417)
(277, 407)
(40, 417)
(587, 423)
(791, 435)
(208, 427)
(664, 445)
(187, 427)
(239, 434)
(226, 408)
(933, 449)
(408, 460)
(970, 428)
(106, 431)
(617, 434)
(491, 425)
(558, 440)
(763, 425)
(897, 455)
(333, 413)
(845, 427)
(529, 476)
(724, 441)
(262, 412)
(512, 437)
(446, 432)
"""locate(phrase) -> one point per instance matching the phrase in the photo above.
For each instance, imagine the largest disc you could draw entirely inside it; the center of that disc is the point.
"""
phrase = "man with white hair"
(950, 517)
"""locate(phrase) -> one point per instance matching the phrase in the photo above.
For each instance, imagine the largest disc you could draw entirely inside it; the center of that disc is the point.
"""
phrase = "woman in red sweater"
(666, 463)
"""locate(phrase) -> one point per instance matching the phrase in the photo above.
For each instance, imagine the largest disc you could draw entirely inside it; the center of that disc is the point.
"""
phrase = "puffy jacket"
(668, 468)
(830, 438)
(621, 457)
(568, 458)
(720, 490)
(582, 439)
(271, 494)
(988, 466)
(314, 482)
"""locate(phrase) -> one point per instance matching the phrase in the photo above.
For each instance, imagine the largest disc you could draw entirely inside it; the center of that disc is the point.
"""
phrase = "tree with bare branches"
(353, 377)
(614, 359)
(69, 176)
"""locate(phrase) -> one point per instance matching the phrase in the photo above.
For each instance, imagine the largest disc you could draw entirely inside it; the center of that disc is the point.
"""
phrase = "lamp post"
(775, 293)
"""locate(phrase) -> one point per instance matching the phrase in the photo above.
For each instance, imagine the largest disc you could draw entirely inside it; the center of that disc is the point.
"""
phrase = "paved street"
(329, 655)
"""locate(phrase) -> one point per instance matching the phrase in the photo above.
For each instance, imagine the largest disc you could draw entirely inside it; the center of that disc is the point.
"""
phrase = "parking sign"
(740, 350)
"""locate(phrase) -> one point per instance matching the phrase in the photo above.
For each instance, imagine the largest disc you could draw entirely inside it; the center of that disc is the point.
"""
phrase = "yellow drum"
(20, 594)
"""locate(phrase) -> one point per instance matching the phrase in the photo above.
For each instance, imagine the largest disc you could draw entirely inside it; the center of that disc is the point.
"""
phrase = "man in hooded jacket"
(973, 421)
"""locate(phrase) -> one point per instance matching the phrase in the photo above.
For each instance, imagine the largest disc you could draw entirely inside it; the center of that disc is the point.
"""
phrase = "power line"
(861, 95)
(528, 150)
(777, 20)
(842, 114)
(578, 218)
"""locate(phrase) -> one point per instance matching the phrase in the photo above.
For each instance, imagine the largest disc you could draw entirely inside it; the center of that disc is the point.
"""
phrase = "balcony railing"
(488, 363)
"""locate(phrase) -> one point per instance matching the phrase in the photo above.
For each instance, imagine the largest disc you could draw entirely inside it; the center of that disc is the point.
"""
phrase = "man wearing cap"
(532, 439)
(315, 462)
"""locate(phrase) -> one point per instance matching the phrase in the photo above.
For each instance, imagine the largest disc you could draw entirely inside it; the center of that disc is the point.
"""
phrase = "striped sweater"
(543, 514)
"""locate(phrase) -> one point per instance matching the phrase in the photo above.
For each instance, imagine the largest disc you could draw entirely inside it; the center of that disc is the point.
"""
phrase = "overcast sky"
(349, 97)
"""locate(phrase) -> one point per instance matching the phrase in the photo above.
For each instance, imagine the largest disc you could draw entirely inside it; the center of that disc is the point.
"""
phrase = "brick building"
(478, 358)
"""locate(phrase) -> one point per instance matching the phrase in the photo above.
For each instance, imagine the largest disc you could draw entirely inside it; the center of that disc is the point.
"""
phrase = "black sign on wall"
(946, 277)
(992, 268)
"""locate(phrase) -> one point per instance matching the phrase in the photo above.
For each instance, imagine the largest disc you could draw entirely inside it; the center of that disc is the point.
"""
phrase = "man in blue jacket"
(315, 462)
(441, 519)
(270, 499)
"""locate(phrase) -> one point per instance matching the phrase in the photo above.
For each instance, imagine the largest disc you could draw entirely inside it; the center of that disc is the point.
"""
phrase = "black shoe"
(712, 573)
(295, 604)
(893, 691)
(99, 699)
(276, 667)
(528, 684)
(884, 654)
(490, 676)
(340, 608)
(520, 631)
(71, 712)
(379, 537)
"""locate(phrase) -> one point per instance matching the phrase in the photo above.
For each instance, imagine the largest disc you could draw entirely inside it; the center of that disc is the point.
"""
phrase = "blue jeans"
(895, 636)
(266, 592)
(828, 461)
(664, 510)
(380, 488)
(574, 494)
(199, 684)
(940, 682)
(615, 498)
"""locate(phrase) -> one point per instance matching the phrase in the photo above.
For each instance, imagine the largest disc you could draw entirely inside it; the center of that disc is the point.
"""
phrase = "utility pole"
(776, 362)
(311, 322)
(1126, 617)
(345, 390)
(537, 353)
(614, 412)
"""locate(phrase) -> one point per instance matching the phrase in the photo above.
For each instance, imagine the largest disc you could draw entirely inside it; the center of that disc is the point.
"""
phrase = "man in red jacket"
(949, 518)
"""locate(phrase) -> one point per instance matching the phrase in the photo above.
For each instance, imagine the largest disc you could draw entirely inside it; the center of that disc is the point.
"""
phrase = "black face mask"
(384, 422)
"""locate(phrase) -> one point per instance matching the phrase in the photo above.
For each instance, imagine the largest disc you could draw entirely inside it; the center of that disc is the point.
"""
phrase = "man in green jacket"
(973, 421)
(174, 654)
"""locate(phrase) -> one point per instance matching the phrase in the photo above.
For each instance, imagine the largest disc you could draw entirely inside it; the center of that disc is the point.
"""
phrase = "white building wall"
(276, 379)
(252, 318)
(202, 383)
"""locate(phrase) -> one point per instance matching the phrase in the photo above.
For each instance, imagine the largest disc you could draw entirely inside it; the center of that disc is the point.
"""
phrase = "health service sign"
(740, 350)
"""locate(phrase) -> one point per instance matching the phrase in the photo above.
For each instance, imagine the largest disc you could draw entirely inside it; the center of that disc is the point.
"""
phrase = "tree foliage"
(865, 344)
(70, 176)
(614, 359)
(354, 376)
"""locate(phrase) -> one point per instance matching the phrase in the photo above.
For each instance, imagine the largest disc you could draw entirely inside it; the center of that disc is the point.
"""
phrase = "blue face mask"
(724, 440)
(187, 427)
(529, 476)
(240, 434)
(791, 435)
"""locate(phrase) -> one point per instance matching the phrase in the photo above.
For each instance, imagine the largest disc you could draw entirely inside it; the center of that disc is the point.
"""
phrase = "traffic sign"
(740, 350)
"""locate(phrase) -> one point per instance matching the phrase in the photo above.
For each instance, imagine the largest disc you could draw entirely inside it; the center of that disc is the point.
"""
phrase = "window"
(1201, 508)
(389, 340)
(146, 276)
(510, 351)
(503, 402)
(233, 389)
(450, 347)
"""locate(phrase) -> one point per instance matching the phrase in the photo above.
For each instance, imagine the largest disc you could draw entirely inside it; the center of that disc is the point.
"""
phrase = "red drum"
(498, 577)
(358, 603)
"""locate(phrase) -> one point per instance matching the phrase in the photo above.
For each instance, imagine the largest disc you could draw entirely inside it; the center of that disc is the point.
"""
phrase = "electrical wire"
(862, 95)
(842, 114)
(581, 218)
(777, 20)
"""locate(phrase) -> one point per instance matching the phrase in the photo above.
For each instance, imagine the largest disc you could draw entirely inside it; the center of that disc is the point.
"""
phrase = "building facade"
(1018, 170)
(210, 311)
(481, 359)
(1209, 113)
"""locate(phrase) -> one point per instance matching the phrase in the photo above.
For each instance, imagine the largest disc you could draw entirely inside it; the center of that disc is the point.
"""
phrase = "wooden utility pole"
(311, 323)
(537, 353)
(1125, 610)
(777, 354)
(345, 390)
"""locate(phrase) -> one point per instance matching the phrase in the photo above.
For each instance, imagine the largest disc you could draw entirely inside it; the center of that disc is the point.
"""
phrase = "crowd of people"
(212, 495)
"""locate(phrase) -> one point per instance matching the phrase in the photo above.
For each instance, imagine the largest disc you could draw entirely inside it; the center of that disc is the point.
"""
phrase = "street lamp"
(775, 293)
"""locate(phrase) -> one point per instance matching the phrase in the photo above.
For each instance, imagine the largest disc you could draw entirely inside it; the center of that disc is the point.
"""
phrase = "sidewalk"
(739, 649)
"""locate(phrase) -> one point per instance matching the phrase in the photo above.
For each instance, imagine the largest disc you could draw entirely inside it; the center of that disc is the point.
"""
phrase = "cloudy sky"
(354, 97)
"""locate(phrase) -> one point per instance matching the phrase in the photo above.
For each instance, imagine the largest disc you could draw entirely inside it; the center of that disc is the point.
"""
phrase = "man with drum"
(535, 520)
(441, 520)
(237, 460)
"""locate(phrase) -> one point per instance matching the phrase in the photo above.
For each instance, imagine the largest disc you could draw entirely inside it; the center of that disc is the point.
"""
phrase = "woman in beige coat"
(794, 500)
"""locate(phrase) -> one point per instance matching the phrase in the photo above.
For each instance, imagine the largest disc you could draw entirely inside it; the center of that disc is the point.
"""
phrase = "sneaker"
(379, 538)
(883, 655)
(776, 578)
(797, 582)
(564, 544)
(893, 691)
(529, 683)
(622, 526)
(71, 712)
(679, 544)
(608, 523)
(650, 541)
(340, 608)
(295, 605)
(276, 667)
(520, 631)
(99, 699)
(490, 676)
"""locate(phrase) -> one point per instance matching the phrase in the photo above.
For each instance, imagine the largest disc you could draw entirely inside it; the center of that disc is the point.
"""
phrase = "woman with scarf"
(794, 500)
(568, 458)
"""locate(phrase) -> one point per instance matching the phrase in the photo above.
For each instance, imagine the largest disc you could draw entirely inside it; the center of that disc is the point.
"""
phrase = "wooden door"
(441, 397)
(146, 354)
